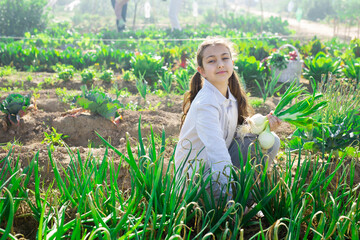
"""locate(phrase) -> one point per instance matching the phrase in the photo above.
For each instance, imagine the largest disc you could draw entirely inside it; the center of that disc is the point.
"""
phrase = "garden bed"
(157, 113)
(51, 112)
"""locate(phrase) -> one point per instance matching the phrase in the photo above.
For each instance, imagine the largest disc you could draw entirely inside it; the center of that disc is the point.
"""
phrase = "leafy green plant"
(14, 106)
(246, 23)
(33, 16)
(278, 60)
(249, 68)
(146, 173)
(147, 66)
(87, 75)
(182, 79)
(107, 75)
(169, 54)
(352, 69)
(355, 46)
(313, 47)
(49, 81)
(142, 86)
(128, 75)
(6, 71)
(305, 105)
(255, 102)
(259, 51)
(65, 72)
(65, 95)
(98, 102)
(244, 181)
(9, 145)
(123, 92)
(191, 67)
(321, 66)
(342, 118)
(166, 80)
(277, 25)
(268, 87)
(54, 139)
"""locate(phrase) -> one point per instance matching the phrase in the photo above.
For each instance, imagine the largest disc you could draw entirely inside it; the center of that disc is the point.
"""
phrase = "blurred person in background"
(174, 8)
(120, 7)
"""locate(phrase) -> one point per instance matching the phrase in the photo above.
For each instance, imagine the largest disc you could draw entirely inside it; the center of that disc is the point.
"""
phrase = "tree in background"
(346, 11)
(20, 16)
(316, 10)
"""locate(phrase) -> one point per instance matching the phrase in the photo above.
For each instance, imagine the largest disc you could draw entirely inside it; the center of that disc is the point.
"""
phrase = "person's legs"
(124, 11)
(242, 146)
(121, 23)
(174, 8)
(120, 8)
(239, 148)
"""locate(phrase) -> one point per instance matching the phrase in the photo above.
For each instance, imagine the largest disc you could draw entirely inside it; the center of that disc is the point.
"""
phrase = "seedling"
(54, 139)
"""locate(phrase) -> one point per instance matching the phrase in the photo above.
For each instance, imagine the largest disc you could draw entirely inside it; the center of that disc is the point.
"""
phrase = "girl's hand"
(274, 122)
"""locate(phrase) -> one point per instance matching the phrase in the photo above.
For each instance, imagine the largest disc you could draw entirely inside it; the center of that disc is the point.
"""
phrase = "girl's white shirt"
(208, 131)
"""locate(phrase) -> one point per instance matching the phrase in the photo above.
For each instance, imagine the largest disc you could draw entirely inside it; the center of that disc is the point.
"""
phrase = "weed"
(7, 146)
(87, 75)
(107, 75)
(54, 139)
(64, 95)
(29, 78)
(65, 72)
(256, 102)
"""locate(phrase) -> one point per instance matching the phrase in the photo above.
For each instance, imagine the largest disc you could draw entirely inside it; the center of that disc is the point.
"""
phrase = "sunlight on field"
(91, 101)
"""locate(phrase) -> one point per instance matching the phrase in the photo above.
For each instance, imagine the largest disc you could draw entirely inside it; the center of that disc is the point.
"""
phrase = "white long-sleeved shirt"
(208, 131)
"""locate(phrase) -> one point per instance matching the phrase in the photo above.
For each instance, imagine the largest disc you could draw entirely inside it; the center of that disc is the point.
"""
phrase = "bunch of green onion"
(297, 114)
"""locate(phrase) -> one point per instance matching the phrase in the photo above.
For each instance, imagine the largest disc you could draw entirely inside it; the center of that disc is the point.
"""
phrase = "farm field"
(89, 123)
(158, 112)
(50, 112)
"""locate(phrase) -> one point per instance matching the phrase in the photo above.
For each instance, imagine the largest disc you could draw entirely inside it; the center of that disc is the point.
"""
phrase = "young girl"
(213, 108)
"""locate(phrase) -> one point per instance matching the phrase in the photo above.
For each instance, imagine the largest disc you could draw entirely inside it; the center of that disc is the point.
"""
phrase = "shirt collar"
(220, 98)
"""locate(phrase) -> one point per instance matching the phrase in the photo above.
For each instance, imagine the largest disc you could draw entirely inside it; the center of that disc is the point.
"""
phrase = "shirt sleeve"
(210, 133)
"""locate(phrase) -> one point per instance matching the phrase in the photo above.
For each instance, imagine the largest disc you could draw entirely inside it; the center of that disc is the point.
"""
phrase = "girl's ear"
(201, 71)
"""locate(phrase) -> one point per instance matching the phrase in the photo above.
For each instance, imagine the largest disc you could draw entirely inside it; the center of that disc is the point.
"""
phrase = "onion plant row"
(303, 197)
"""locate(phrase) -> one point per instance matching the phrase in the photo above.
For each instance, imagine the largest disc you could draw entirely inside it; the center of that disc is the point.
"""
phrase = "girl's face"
(217, 65)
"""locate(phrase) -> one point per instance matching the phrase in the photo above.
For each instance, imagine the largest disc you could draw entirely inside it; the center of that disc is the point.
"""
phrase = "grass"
(256, 102)
(306, 196)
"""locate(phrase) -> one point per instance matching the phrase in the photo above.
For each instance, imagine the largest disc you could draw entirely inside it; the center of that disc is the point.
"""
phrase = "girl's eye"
(211, 61)
(226, 58)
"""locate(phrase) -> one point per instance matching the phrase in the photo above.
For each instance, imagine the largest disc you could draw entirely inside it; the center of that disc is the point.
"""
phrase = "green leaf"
(99, 103)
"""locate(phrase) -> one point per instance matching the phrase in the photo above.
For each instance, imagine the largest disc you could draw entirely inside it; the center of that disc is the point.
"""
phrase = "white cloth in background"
(174, 9)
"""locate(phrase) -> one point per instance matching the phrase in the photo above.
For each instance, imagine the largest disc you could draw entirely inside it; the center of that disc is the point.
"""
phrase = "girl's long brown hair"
(196, 83)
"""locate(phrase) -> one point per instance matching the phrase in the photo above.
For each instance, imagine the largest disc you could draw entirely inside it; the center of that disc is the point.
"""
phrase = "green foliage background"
(20, 16)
